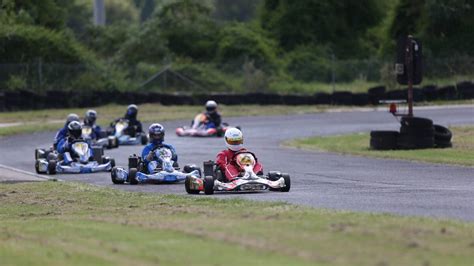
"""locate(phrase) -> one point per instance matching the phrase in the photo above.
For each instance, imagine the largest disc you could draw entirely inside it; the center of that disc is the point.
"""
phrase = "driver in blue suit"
(74, 132)
(157, 136)
(63, 132)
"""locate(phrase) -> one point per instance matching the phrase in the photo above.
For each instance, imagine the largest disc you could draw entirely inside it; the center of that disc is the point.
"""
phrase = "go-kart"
(214, 179)
(81, 159)
(167, 172)
(128, 136)
(105, 141)
(199, 128)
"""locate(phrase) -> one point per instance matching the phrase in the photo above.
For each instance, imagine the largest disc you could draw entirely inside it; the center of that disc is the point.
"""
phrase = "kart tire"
(442, 134)
(416, 122)
(37, 168)
(418, 131)
(98, 153)
(39, 155)
(187, 186)
(443, 144)
(208, 185)
(287, 179)
(112, 162)
(144, 139)
(113, 174)
(132, 176)
(274, 175)
(408, 142)
(383, 140)
(52, 167)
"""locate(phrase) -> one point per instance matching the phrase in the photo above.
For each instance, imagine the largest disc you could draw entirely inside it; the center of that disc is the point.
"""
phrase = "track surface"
(318, 179)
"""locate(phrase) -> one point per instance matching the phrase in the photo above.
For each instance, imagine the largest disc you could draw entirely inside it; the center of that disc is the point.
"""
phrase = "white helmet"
(234, 139)
(211, 105)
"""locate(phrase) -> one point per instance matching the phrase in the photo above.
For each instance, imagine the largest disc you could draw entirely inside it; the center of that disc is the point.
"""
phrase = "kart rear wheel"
(144, 139)
(187, 186)
(52, 167)
(208, 185)
(113, 174)
(287, 179)
(132, 176)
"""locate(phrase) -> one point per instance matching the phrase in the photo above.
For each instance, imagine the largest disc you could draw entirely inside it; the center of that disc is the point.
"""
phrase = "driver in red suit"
(225, 159)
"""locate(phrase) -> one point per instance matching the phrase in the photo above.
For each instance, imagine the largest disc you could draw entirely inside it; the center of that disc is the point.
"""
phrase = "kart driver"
(157, 136)
(134, 125)
(62, 133)
(225, 159)
(89, 120)
(212, 115)
(74, 132)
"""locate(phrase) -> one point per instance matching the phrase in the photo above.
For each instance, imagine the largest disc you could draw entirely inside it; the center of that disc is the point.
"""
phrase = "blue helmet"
(157, 133)
(132, 111)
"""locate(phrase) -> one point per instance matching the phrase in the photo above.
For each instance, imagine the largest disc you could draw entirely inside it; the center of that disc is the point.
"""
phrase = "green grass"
(52, 119)
(56, 223)
(462, 152)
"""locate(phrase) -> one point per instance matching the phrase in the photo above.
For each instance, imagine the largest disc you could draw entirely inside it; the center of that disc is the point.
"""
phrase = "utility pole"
(99, 12)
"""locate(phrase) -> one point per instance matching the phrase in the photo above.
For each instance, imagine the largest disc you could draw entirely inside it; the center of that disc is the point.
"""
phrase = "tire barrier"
(416, 133)
(442, 137)
(384, 140)
(27, 99)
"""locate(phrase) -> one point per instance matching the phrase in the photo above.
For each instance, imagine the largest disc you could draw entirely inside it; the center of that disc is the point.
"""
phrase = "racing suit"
(65, 145)
(225, 161)
(134, 126)
(154, 162)
(60, 135)
(96, 130)
(213, 119)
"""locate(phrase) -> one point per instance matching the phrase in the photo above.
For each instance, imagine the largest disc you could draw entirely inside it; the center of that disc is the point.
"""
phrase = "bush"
(240, 43)
(208, 78)
(309, 64)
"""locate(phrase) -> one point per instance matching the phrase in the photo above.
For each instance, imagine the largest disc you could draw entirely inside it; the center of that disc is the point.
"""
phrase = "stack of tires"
(415, 133)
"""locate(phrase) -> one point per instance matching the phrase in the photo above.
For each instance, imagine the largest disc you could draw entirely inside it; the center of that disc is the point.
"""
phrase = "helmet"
(71, 117)
(234, 139)
(132, 111)
(91, 116)
(211, 106)
(157, 133)
(74, 129)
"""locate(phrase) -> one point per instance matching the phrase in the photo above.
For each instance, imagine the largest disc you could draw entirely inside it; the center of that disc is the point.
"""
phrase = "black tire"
(112, 162)
(274, 175)
(52, 167)
(208, 185)
(144, 139)
(113, 175)
(98, 153)
(442, 134)
(187, 186)
(408, 142)
(417, 131)
(443, 144)
(191, 167)
(39, 154)
(132, 176)
(37, 167)
(416, 122)
(287, 183)
(383, 140)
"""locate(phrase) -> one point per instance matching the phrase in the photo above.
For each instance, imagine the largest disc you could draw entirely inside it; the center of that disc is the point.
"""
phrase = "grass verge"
(462, 152)
(52, 119)
(56, 223)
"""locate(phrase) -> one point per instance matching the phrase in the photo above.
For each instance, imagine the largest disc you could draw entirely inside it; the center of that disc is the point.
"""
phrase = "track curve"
(318, 179)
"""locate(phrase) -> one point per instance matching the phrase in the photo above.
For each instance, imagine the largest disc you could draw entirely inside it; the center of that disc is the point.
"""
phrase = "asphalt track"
(319, 179)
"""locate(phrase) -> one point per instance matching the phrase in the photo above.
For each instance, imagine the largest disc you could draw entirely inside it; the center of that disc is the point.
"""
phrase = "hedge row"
(24, 100)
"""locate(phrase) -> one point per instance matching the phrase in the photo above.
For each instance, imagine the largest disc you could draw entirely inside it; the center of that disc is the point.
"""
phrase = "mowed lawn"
(462, 152)
(52, 119)
(58, 223)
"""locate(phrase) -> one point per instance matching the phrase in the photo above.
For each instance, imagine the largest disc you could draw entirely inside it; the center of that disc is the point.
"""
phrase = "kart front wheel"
(287, 179)
(132, 176)
(37, 168)
(52, 167)
(187, 186)
(113, 174)
(209, 185)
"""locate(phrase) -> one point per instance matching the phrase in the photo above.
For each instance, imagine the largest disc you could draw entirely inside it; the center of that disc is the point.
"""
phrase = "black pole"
(409, 64)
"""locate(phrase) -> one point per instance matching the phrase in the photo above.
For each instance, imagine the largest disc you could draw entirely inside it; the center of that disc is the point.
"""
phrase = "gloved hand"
(150, 156)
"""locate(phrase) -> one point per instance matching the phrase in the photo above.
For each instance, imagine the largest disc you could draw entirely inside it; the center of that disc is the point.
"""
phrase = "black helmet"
(74, 129)
(132, 111)
(157, 133)
(91, 117)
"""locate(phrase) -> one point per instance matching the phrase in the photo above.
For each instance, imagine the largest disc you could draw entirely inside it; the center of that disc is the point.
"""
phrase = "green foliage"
(208, 77)
(231, 10)
(24, 43)
(339, 24)
(240, 43)
(108, 40)
(46, 13)
(16, 82)
(309, 64)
